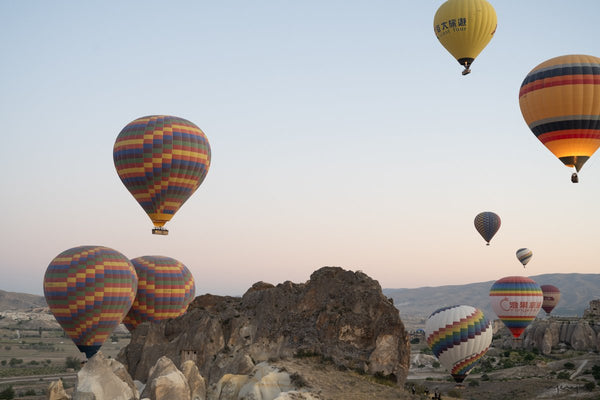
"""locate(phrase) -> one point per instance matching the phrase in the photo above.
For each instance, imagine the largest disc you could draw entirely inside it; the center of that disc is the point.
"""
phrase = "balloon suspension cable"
(160, 231)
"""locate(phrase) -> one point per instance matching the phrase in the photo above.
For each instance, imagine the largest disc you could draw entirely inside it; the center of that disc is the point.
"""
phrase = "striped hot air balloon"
(161, 160)
(165, 289)
(559, 102)
(458, 336)
(524, 256)
(487, 224)
(464, 28)
(90, 289)
(551, 298)
(516, 300)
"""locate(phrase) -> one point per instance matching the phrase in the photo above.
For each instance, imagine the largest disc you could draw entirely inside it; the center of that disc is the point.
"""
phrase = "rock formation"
(195, 380)
(544, 335)
(104, 379)
(166, 382)
(56, 391)
(340, 315)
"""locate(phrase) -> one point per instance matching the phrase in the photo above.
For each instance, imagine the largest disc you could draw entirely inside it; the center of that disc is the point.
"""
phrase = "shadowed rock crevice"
(340, 315)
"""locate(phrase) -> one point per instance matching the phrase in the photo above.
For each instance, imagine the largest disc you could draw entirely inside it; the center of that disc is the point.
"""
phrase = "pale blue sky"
(342, 134)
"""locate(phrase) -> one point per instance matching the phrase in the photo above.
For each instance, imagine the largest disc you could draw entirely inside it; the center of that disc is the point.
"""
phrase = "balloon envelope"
(464, 28)
(524, 255)
(487, 224)
(161, 160)
(551, 297)
(89, 289)
(165, 289)
(559, 102)
(516, 300)
(458, 336)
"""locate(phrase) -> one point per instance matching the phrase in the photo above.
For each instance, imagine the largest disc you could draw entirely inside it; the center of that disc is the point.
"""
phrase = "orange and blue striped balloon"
(161, 160)
(516, 300)
(458, 336)
(559, 100)
(90, 289)
(165, 289)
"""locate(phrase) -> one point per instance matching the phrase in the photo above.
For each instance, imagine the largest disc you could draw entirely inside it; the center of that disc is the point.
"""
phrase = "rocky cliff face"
(544, 335)
(341, 315)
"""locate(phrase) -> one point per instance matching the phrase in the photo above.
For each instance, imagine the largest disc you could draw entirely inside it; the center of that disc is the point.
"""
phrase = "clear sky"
(342, 134)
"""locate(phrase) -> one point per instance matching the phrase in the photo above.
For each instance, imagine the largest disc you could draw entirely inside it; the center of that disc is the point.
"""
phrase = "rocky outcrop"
(104, 379)
(56, 391)
(166, 382)
(195, 380)
(264, 383)
(340, 315)
(545, 335)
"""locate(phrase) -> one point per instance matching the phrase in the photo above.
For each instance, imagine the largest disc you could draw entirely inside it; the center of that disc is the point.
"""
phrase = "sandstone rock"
(229, 386)
(265, 383)
(583, 337)
(340, 315)
(294, 395)
(56, 391)
(194, 380)
(104, 379)
(546, 335)
(166, 382)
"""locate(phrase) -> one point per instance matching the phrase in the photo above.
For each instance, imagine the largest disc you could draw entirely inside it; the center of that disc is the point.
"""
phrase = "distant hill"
(576, 292)
(10, 301)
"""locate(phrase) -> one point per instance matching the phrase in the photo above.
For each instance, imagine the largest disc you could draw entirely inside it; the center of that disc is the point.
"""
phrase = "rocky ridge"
(340, 315)
(544, 335)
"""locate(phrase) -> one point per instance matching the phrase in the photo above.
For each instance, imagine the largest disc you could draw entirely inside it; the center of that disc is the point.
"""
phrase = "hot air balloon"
(551, 298)
(487, 224)
(524, 256)
(90, 289)
(516, 300)
(165, 289)
(464, 28)
(161, 160)
(559, 102)
(458, 336)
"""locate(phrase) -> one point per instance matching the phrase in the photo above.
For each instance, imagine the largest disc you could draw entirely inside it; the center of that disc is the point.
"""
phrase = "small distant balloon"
(487, 224)
(165, 289)
(516, 300)
(458, 336)
(89, 289)
(161, 160)
(464, 28)
(524, 256)
(551, 297)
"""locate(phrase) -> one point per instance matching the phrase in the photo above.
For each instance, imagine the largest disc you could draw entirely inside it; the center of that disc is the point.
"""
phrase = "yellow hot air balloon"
(465, 27)
(560, 101)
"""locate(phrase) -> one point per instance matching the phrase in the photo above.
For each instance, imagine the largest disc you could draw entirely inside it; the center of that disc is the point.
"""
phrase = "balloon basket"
(466, 71)
(574, 178)
(160, 231)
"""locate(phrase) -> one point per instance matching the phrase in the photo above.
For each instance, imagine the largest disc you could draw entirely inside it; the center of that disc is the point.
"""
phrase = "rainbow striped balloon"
(458, 336)
(165, 289)
(161, 160)
(90, 289)
(516, 300)
(559, 102)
